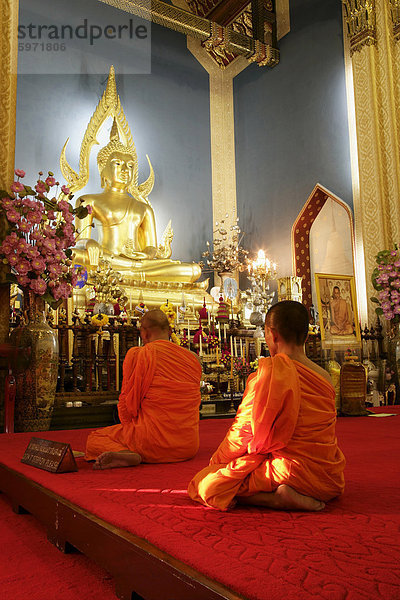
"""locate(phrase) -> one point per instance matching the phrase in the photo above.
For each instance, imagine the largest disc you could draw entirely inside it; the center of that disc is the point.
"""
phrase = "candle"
(201, 345)
(219, 331)
(217, 356)
(231, 346)
(241, 347)
(235, 348)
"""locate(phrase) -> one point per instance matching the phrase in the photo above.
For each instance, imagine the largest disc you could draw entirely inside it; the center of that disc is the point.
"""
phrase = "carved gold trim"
(192, 25)
(8, 103)
(8, 88)
(360, 17)
(395, 14)
(377, 111)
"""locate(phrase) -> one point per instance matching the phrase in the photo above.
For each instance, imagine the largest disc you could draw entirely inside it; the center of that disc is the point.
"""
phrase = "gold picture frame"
(337, 308)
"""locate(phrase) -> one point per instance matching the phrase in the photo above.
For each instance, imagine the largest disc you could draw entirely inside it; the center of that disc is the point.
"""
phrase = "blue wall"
(291, 129)
(168, 112)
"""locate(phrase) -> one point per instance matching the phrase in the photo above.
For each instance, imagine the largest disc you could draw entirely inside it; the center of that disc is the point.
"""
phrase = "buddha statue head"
(116, 163)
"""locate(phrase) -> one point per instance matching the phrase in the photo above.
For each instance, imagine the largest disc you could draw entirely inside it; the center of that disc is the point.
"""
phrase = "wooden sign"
(55, 457)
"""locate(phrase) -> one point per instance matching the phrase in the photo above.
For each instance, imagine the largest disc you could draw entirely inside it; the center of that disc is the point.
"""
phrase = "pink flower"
(50, 181)
(54, 269)
(59, 255)
(49, 244)
(13, 215)
(35, 216)
(63, 205)
(89, 209)
(40, 187)
(65, 190)
(38, 264)
(22, 266)
(32, 252)
(6, 247)
(7, 203)
(23, 280)
(22, 245)
(13, 259)
(17, 187)
(24, 226)
(19, 173)
(39, 286)
(51, 215)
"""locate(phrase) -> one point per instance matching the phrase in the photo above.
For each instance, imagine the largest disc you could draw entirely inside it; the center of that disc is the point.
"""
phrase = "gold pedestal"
(153, 294)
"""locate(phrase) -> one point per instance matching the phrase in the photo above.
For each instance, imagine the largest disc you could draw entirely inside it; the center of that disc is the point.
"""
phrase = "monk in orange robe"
(281, 450)
(158, 406)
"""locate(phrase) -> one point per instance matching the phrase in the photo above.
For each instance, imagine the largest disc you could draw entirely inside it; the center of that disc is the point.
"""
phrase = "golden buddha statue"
(127, 237)
(127, 240)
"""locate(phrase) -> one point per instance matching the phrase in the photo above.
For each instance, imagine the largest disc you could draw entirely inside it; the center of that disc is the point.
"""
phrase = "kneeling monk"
(281, 450)
(158, 406)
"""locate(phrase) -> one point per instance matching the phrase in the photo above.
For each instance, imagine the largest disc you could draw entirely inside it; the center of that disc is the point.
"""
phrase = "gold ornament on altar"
(127, 238)
(227, 255)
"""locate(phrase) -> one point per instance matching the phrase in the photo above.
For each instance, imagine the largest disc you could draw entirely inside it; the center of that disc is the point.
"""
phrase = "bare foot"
(284, 498)
(112, 460)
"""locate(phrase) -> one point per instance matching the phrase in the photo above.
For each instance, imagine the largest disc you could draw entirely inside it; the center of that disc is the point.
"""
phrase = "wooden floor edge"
(136, 564)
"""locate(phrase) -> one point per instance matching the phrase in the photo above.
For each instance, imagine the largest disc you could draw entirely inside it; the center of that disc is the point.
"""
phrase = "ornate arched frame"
(301, 236)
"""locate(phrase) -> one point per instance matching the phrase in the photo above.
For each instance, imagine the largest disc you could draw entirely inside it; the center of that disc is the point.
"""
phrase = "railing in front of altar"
(90, 361)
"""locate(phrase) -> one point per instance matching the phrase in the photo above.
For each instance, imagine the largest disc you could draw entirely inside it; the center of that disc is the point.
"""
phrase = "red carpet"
(350, 551)
(33, 569)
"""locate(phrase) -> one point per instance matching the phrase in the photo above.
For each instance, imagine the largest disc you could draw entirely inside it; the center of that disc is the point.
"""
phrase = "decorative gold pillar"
(8, 87)
(375, 68)
(8, 101)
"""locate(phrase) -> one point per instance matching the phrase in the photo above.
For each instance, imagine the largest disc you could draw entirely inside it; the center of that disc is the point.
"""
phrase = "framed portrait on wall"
(337, 307)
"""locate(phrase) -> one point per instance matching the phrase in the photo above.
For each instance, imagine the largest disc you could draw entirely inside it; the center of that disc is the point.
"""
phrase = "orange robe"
(158, 406)
(284, 432)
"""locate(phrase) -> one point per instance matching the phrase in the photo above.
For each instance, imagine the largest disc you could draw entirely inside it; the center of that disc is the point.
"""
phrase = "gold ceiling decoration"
(222, 40)
(360, 16)
(395, 13)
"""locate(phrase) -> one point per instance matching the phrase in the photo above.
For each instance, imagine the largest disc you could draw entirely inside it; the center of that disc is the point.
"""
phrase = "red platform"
(141, 526)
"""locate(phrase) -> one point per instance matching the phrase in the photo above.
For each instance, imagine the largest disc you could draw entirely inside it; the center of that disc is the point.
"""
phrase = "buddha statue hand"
(88, 252)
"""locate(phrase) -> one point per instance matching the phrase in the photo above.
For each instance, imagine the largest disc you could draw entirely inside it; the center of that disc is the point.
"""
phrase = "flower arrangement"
(99, 320)
(386, 280)
(242, 369)
(169, 311)
(39, 237)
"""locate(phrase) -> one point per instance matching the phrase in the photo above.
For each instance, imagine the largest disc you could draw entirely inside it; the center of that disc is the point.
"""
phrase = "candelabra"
(261, 270)
(259, 298)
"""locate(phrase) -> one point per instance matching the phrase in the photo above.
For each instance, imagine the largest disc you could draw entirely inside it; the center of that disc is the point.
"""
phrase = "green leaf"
(379, 311)
(81, 212)
(29, 190)
(68, 252)
(373, 299)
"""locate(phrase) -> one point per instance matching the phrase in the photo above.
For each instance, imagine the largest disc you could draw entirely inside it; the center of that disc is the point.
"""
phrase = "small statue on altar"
(62, 316)
(76, 318)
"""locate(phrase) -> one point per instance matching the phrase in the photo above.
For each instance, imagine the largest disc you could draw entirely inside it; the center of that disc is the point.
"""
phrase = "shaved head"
(290, 319)
(155, 320)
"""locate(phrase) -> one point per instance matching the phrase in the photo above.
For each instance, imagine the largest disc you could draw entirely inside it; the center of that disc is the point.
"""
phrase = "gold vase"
(37, 368)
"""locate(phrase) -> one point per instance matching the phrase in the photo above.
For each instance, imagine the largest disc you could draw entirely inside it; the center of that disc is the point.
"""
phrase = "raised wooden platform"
(140, 569)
